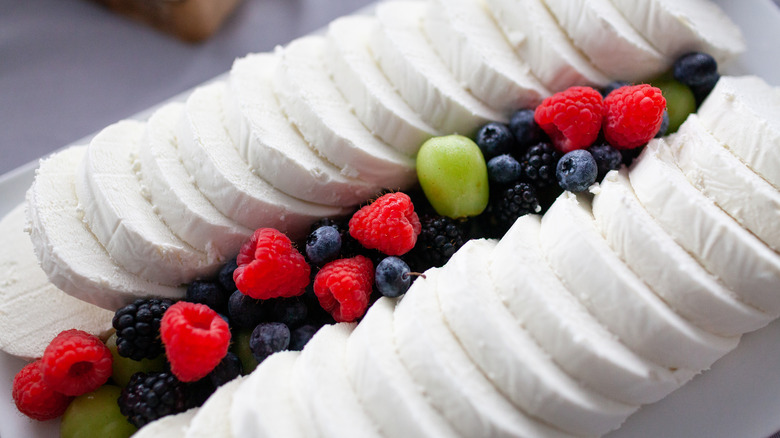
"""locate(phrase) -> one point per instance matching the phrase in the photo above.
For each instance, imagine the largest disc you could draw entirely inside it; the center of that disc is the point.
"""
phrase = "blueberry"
(323, 245)
(577, 170)
(290, 311)
(612, 86)
(504, 169)
(495, 139)
(699, 71)
(209, 293)
(607, 158)
(301, 336)
(392, 277)
(527, 133)
(226, 370)
(245, 311)
(664, 125)
(225, 276)
(268, 338)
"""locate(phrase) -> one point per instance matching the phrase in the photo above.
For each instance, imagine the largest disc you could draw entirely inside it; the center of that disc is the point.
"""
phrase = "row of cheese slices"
(566, 325)
(322, 125)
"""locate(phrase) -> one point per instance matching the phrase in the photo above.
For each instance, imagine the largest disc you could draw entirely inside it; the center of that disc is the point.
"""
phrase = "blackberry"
(438, 240)
(138, 328)
(539, 163)
(511, 203)
(150, 396)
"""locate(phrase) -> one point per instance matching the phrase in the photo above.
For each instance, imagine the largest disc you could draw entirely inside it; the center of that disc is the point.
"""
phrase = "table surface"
(68, 68)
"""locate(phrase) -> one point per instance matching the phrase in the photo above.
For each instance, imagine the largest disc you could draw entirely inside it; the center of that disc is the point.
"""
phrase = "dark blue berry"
(699, 71)
(612, 86)
(301, 336)
(607, 158)
(525, 129)
(577, 170)
(290, 311)
(225, 276)
(504, 169)
(392, 277)
(268, 338)
(245, 311)
(664, 125)
(495, 139)
(226, 370)
(209, 293)
(323, 245)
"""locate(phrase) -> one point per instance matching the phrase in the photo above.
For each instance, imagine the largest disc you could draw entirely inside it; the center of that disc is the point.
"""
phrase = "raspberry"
(389, 224)
(270, 267)
(76, 362)
(34, 398)
(572, 118)
(633, 115)
(343, 287)
(196, 339)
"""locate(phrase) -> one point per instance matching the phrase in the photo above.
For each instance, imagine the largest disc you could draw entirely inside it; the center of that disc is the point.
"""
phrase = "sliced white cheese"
(450, 380)
(210, 419)
(321, 384)
(475, 50)
(510, 357)
(275, 149)
(734, 255)
(744, 114)
(69, 253)
(536, 37)
(382, 383)
(370, 94)
(176, 198)
(677, 27)
(34, 310)
(207, 144)
(720, 175)
(407, 58)
(264, 406)
(564, 328)
(312, 102)
(668, 269)
(170, 426)
(617, 297)
(608, 39)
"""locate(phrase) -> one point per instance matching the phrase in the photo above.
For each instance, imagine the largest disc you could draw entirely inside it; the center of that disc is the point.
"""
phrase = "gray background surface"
(70, 67)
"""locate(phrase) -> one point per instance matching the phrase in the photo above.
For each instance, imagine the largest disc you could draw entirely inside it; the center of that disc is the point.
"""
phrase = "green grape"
(679, 101)
(240, 346)
(124, 367)
(96, 414)
(453, 175)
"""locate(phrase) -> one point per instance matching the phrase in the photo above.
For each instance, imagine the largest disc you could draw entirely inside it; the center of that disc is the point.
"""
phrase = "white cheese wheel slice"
(264, 406)
(275, 149)
(314, 104)
(608, 39)
(510, 357)
(470, 43)
(119, 213)
(667, 268)
(382, 383)
(210, 419)
(744, 114)
(617, 297)
(536, 37)
(170, 426)
(420, 76)
(176, 198)
(372, 97)
(676, 27)
(720, 175)
(734, 255)
(452, 382)
(208, 150)
(34, 310)
(321, 384)
(564, 328)
(68, 252)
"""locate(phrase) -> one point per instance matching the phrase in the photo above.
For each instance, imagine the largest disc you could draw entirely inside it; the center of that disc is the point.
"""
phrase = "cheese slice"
(209, 420)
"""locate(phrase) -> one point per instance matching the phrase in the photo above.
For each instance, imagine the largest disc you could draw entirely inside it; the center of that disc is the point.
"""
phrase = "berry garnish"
(76, 362)
(525, 129)
(225, 276)
(343, 287)
(439, 239)
(292, 312)
(393, 277)
(572, 118)
(96, 414)
(664, 124)
(538, 165)
(503, 169)
(268, 338)
(612, 86)
(323, 245)
(241, 349)
(511, 203)
(209, 293)
(633, 115)
(34, 397)
(301, 336)
(270, 267)
(138, 328)
(150, 396)
(196, 339)
(124, 367)
(226, 370)
(699, 71)
(494, 139)
(607, 158)
(245, 311)
(388, 224)
(577, 170)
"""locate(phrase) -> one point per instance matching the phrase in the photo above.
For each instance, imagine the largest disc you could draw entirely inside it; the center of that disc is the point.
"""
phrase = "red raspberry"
(196, 339)
(633, 115)
(34, 398)
(388, 224)
(343, 287)
(76, 362)
(269, 267)
(572, 118)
